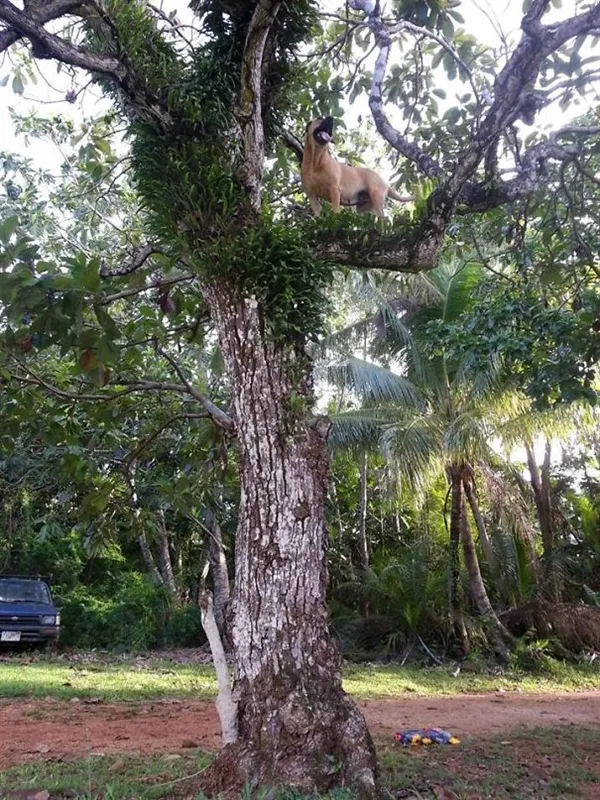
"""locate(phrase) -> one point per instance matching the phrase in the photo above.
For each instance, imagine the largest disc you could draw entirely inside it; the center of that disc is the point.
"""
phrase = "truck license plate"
(10, 636)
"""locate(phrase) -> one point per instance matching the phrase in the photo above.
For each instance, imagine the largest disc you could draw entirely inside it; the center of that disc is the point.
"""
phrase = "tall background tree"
(202, 108)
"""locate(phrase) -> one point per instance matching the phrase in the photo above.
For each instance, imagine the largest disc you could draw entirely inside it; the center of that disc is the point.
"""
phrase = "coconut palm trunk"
(454, 584)
(497, 633)
(540, 483)
(486, 544)
(461, 530)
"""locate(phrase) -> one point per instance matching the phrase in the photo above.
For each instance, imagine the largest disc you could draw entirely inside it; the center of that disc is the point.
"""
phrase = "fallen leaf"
(189, 743)
(42, 748)
(117, 766)
(172, 757)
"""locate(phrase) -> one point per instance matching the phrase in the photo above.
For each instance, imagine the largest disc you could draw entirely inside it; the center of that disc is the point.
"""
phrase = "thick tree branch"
(410, 150)
(249, 112)
(218, 416)
(458, 191)
(47, 45)
(294, 144)
(55, 47)
(133, 262)
(403, 253)
(45, 12)
(225, 703)
(111, 298)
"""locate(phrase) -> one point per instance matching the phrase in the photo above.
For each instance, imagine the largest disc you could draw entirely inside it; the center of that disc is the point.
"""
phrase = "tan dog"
(324, 178)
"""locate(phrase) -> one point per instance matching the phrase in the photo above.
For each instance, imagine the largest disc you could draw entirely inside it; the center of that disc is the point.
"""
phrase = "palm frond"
(467, 437)
(374, 383)
(459, 290)
(414, 448)
(359, 428)
(480, 383)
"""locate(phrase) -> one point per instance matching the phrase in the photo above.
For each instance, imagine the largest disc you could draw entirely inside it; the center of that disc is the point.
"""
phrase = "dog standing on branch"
(324, 178)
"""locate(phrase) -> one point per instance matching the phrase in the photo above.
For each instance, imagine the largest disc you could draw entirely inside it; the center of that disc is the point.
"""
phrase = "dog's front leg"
(335, 198)
(315, 204)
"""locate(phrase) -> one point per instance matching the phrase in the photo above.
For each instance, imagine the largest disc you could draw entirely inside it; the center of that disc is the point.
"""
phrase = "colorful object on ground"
(425, 736)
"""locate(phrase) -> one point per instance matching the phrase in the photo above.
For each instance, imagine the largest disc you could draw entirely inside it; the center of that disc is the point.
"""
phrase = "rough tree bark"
(296, 725)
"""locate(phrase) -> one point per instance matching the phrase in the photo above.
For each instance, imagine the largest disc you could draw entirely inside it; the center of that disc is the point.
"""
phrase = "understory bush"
(135, 616)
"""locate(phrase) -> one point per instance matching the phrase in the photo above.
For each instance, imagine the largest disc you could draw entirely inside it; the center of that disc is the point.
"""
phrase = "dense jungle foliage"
(465, 440)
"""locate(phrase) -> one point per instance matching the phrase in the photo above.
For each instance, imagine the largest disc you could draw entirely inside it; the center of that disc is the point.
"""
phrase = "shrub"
(183, 627)
(136, 616)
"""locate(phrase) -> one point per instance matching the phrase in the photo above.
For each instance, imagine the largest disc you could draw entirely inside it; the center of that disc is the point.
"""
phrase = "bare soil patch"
(43, 730)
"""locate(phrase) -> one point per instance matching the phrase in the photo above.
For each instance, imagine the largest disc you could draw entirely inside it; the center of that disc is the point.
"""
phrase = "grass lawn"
(110, 777)
(539, 764)
(121, 678)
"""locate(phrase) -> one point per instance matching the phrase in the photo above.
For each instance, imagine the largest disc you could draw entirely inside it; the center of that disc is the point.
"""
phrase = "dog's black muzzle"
(324, 132)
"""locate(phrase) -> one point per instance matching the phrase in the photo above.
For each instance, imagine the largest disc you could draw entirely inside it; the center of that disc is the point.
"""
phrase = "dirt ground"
(59, 729)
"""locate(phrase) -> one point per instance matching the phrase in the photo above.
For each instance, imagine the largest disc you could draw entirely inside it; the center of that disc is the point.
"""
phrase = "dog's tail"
(402, 198)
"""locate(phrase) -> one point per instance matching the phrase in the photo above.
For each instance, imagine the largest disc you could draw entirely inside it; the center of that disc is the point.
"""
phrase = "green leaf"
(7, 228)
(17, 84)
(107, 322)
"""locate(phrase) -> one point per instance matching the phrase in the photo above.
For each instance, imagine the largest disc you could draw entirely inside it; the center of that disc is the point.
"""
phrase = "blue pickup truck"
(28, 614)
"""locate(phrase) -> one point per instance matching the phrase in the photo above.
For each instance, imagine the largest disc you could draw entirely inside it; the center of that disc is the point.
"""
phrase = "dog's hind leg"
(377, 201)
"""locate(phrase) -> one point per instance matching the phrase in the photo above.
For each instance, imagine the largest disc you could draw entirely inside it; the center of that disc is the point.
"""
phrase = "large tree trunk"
(454, 588)
(296, 725)
(540, 483)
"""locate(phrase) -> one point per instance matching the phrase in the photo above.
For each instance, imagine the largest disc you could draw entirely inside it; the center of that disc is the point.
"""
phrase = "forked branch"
(30, 24)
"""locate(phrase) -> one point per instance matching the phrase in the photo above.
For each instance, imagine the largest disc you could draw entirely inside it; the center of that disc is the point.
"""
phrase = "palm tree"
(435, 418)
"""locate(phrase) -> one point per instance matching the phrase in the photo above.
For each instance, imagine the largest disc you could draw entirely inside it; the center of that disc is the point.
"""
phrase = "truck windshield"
(14, 590)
